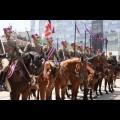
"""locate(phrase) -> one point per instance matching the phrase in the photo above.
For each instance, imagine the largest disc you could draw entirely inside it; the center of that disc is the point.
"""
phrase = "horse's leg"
(38, 94)
(91, 94)
(85, 90)
(69, 87)
(74, 89)
(34, 93)
(63, 91)
(68, 95)
(42, 92)
(95, 89)
(109, 86)
(25, 94)
(76, 92)
(82, 87)
(57, 91)
(115, 77)
(106, 81)
(112, 85)
(14, 96)
(49, 92)
(100, 83)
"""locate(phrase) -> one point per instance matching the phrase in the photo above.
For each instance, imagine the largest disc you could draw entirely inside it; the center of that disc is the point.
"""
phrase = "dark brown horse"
(20, 81)
(98, 63)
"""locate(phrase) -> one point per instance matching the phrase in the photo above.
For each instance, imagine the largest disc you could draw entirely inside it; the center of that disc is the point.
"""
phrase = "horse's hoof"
(107, 93)
(91, 98)
(68, 95)
(110, 91)
(58, 98)
(84, 98)
(115, 86)
(101, 93)
(95, 97)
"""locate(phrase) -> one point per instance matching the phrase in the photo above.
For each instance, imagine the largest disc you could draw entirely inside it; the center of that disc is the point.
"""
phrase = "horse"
(47, 79)
(74, 71)
(111, 74)
(98, 62)
(20, 80)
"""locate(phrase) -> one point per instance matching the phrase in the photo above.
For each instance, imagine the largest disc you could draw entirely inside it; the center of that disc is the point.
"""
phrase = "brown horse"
(74, 71)
(109, 74)
(99, 62)
(47, 80)
(20, 81)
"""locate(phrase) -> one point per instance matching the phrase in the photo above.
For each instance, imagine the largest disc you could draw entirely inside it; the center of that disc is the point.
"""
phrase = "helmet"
(73, 44)
(35, 36)
(80, 46)
(9, 29)
(49, 39)
(64, 42)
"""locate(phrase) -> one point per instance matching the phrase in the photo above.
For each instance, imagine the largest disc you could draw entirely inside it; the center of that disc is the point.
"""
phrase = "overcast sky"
(18, 25)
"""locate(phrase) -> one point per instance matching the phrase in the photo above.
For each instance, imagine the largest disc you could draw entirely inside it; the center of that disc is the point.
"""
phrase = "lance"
(2, 46)
(75, 40)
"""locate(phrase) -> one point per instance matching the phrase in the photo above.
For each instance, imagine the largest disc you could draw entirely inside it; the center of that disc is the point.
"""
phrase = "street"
(110, 96)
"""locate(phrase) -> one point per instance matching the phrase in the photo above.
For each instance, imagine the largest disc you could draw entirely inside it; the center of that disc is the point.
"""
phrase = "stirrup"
(3, 88)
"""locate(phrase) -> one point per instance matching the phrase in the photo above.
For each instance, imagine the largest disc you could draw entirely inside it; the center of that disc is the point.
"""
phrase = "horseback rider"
(12, 51)
(110, 57)
(63, 53)
(72, 51)
(91, 51)
(87, 51)
(34, 45)
(49, 50)
(80, 50)
(98, 52)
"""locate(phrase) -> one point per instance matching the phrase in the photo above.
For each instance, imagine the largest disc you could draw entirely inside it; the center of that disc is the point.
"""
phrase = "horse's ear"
(32, 57)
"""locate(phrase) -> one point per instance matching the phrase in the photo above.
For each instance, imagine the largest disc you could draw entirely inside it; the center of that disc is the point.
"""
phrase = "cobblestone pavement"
(110, 96)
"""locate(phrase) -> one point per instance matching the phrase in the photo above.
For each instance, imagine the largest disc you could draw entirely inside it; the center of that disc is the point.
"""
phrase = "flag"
(100, 37)
(90, 32)
(48, 29)
(78, 30)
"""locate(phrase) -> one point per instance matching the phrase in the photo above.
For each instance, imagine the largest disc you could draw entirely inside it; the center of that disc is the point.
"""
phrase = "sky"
(18, 25)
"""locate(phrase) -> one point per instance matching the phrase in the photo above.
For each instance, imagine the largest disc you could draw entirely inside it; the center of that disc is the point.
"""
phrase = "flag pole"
(75, 41)
(90, 46)
(106, 47)
(57, 43)
(85, 39)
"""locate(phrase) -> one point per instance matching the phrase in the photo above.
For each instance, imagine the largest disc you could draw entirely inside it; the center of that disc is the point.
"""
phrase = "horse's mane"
(91, 59)
(72, 60)
(70, 63)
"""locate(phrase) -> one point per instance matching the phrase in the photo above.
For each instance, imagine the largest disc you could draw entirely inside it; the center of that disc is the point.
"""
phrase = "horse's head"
(101, 59)
(36, 59)
(33, 61)
(81, 67)
(50, 69)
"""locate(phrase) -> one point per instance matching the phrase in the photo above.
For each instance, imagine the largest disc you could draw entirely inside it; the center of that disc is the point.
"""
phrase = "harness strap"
(26, 68)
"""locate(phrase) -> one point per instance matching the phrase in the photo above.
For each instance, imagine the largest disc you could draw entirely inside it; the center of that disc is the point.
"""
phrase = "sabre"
(2, 45)
(28, 35)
